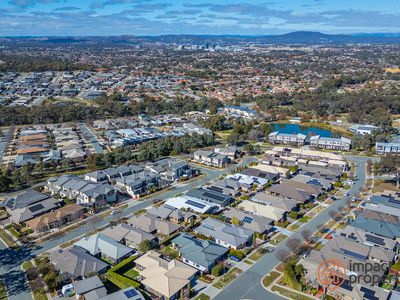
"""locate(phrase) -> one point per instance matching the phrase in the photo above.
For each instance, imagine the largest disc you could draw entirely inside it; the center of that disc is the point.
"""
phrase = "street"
(11, 259)
(248, 284)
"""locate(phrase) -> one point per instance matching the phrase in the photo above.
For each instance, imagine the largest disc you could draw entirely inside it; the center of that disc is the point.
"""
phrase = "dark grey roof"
(76, 262)
(210, 196)
(25, 199)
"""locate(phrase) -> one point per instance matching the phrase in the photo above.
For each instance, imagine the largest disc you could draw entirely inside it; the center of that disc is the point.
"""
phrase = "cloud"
(66, 8)
(30, 3)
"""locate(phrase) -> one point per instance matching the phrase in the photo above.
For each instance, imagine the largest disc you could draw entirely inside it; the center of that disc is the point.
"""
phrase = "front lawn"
(270, 278)
(305, 219)
(289, 294)
(7, 239)
(3, 292)
(258, 254)
(228, 278)
(202, 296)
(278, 239)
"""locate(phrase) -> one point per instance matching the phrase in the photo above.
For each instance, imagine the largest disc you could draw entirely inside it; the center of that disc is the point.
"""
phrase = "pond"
(308, 131)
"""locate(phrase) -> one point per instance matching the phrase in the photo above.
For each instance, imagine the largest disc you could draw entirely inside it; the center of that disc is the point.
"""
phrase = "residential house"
(363, 129)
(171, 213)
(138, 184)
(367, 238)
(129, 293)
(342, 143)
(287, 138)
(76, 262)
(378, 223)
(170, 169)
(211, 158)
(231, 152)
(151, 224)
(261, 174)
(91, 288)
(197, 253)
(129, 235)
(192, 204)
(257, 223)
(166, 279)
(384, 148)
(247, 183)
(210, 196)
(224, 234)
(100, 245)
(347, 251)
(56, 219)
(386, 204)
(299, 191)
(238, 112)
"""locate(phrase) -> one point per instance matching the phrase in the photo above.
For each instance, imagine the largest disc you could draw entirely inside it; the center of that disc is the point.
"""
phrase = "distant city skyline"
(159, 17)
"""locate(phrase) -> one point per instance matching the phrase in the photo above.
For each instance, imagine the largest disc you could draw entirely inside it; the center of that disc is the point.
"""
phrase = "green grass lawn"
(278, 239)
(202, 296)
(40, 294)
(305, 219)
(289, 294)
(248, 262)
(26, 265)
(228, 278)
(7, 239)
(3, 292)
(133, 274)
(169, 251)
(293, 227)
(258, 254)
(270, 278)
(396, 266)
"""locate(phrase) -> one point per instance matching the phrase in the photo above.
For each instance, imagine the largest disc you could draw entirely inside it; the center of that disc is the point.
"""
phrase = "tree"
(390, 164)
(293, 244)
(282, 254)
(332, 214)
(217, 270)
(306, 235)
(235, 221)
(293, 273)
(145, 246)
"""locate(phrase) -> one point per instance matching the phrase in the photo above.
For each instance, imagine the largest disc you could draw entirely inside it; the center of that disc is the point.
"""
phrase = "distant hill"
(297, 37)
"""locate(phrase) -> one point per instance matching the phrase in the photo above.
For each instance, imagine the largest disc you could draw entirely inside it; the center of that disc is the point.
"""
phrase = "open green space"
(305, 219)
(258, 254)
(170, 252)
(122, 273)
(7, 239)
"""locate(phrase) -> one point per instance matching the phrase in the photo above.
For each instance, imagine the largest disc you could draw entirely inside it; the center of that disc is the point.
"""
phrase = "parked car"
(234, 258)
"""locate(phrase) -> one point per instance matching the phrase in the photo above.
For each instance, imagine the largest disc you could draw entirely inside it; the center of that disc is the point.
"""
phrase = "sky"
(159, 17)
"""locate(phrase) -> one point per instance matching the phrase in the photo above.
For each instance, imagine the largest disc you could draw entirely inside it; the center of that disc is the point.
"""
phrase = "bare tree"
(282, 255)
(306, 235)
(294, 244)
(332, 214)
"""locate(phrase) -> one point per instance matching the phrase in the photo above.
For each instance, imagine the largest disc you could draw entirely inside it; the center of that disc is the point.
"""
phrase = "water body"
(308, 131)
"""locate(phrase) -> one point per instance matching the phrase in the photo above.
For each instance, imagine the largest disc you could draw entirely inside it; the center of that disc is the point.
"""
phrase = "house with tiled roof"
(200, 254)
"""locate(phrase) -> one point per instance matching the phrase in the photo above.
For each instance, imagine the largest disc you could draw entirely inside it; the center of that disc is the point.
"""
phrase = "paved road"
(89, 136)
(248, 284)
(3, 142)
(11, 260)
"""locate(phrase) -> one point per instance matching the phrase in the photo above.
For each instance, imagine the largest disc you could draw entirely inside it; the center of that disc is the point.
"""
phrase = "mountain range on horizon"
(296, 37)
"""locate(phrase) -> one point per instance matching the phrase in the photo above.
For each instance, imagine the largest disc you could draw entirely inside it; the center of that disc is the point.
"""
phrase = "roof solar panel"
(213, 196)
(130, 293)
(395, 201)
(375, 239)
(247, 220)
(195, 204)
(36, 207)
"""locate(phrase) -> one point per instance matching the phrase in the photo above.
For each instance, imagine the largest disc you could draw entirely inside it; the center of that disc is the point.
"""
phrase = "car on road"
(114, 212)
